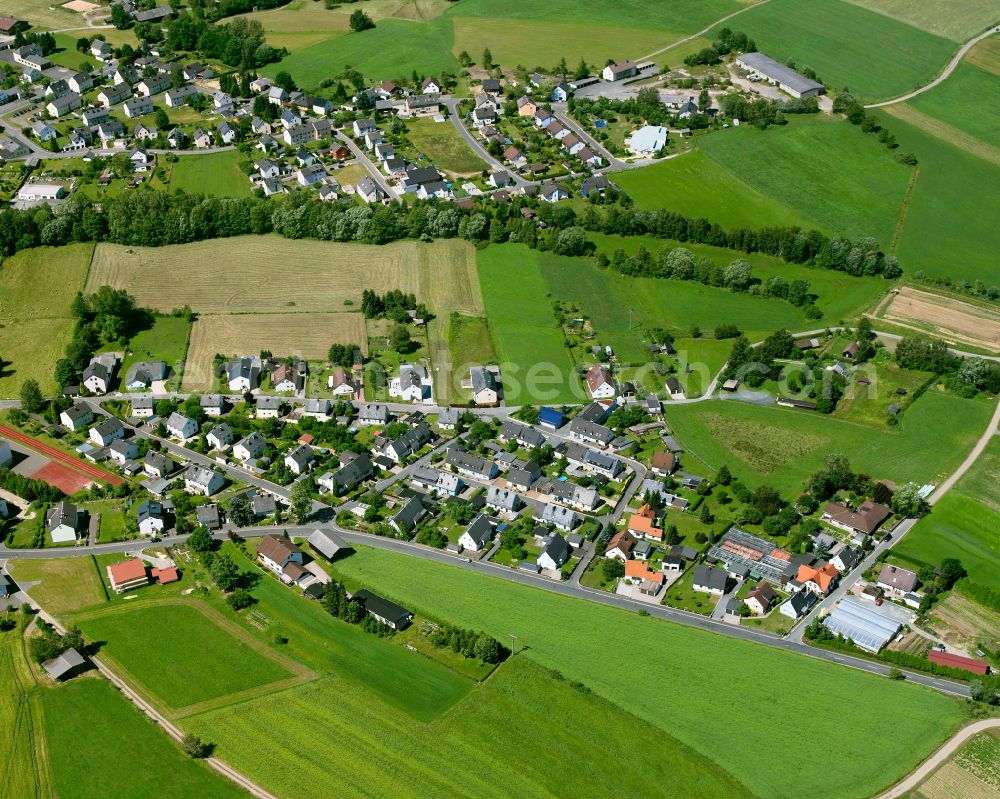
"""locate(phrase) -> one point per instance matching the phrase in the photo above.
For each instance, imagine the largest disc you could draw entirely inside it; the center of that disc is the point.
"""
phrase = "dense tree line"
(28, 488)
(468, 643)
(727, 41)
(151, 218)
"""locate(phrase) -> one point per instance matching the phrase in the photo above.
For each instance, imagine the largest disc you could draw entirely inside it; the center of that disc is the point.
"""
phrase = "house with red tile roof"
(127, 575)
(643, 524)
(820, 578)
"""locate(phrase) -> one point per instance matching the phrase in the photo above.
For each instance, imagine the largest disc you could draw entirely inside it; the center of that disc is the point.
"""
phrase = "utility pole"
(513, 644)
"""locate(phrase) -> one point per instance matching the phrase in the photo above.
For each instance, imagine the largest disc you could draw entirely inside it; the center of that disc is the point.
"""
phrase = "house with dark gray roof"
(502, 500)
(478, 534)
(470, 465)
(762, 67)
(300, 459)
(557, 515)
(349, 476)
(555, 552)
(387, 612)
(709, 580)
(408, 516)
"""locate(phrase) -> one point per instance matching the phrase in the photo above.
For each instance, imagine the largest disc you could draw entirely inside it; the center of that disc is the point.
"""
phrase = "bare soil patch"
(953, 319)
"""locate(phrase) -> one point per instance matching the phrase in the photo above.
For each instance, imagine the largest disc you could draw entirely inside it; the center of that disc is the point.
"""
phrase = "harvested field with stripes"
(271, 274)
(944, 316)
(304, 335)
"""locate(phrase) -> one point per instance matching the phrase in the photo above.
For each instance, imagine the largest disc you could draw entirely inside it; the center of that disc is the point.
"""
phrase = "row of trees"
(468, 643)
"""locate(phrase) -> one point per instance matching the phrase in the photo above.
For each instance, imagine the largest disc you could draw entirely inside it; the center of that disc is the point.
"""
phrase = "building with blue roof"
(551, 418)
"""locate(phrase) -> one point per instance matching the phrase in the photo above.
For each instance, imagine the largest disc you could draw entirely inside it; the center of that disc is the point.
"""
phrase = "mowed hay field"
(62, 585)
(524, 729)
(302, 335)
(965, 524)
(954, 19)
(37, 287)
(955, 102)
(24, 766)
(950, 318)
(695, 670)
(877, 57)
(271, 274)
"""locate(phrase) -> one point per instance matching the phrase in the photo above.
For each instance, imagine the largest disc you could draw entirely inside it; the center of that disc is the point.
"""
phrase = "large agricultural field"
(535, 365)
(557, 632)
(965, 524)
(847, 45)
(24, 759)
(302, 335)
(825, 169)
(36, 289)
(315, 276)
(954, 102)
(696, 185)
(954, 19)
(941, 236)
(781, 447)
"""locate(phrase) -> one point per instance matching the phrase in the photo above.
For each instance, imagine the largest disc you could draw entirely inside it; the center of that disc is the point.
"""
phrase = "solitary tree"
(301, 498)
(360, 21)
(31, 396)
(487, 59)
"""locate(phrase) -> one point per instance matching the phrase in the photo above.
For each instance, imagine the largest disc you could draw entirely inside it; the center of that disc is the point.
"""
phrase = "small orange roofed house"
(127, 575)
(820, 578)
(643, 524)
(165, 575)
(649, 581)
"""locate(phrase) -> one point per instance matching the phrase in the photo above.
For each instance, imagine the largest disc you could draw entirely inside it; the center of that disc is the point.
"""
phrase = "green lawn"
(872, 54)
(179, 654)
(112, 515)
(166, 340)
(63, 584)
(559, 633)
(957, 102)
(965, 524)
(390, 51)
(697, 186)
(870, 404)
(525, 729)
(36, 289)
(66, 54)
(216, 174)
(99, 745)
(682, 595)
(827, 169)
(535, 365)
(943, 236)
(444, 146)
(781, 446)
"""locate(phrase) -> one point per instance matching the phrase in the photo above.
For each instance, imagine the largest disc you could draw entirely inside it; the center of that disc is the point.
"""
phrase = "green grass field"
(66, 54)
(24, 762)
(166, 341)
(390, 51)
(840, 296)
(36, 289)
(965, 524)
(559, 633)
(216, 174)
(872, 54)
(954, 19)
(941, 237)
(524, 329)
(870, 404)
(826, 169)
(524, 729)
(202, 656)
(444, 146)
(101, 746)
(698, 186)
(957, 102)
(782, 447)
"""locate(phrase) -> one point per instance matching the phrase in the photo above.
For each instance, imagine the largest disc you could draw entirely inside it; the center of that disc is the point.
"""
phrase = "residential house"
(352, 472)
(213, 404)
(847, 559)
(648, 140)
(896, 582)
(250, 448)
(563, 518)
(502, 500)
(600, 383)
(209, 516)
(798, 605)
(389, 613)
(430, 86)
(147, 87)
(642, 524)
(158, 465)
(76, 417)
(437, 482)
(552, 192)
(583, 430)
(709, 580)
(143, 374)
(138, 107)
(63, 522)
(327, 544)
(60, 106)
(341, 383)
(112, 95)
(820, 578)
(43, 131)
(300, 459)
(243, 374)
(141, 160)
(127, 574)
(555, 552)
(761, 599)
(120, 451)
(202, 139)
(866, 519)
(175, 98)
(150, 517)
(664, 463)
(621, 546)
(526, 107)
(282, 556)
(560, 92)
(478, 534)
(369, 191)
(414, 384)
(407, 517)
(202, 480)
(620, 71)
(97, 376)
(106, 432)
(448, 418)
(317, 408)
(484, 385)
(181, 426)
(270, 407)
(525, 435)
(372, 414)
(469, 465)
(523, 477)
(220, 436)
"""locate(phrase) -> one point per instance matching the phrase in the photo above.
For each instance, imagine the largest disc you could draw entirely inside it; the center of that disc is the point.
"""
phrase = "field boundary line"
(299, 674)
(702, 32)
(904, 210)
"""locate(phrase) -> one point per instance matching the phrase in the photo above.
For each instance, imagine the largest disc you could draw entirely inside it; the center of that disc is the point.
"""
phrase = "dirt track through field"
(58, 455)
(958, 320)
(946, 132)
